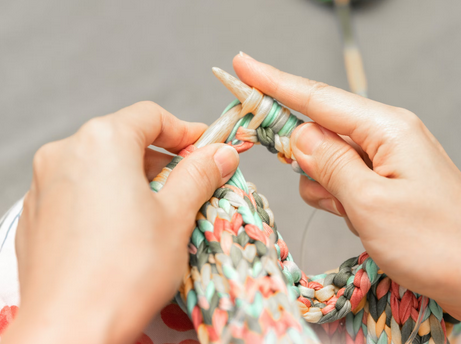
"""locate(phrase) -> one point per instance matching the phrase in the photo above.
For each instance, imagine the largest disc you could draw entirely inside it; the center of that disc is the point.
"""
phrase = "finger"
(318, 197)
(147, 123)
(335, 109)
(333, 163)
(154, 162)
(194, 180)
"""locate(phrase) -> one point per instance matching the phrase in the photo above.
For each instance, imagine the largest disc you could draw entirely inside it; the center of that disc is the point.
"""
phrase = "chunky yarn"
(243, 285)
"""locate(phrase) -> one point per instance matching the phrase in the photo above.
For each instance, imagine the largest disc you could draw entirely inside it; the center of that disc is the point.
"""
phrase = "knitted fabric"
(243, 285)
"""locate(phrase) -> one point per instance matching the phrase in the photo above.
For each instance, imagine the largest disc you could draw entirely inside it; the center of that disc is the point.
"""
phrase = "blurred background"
(64, 62)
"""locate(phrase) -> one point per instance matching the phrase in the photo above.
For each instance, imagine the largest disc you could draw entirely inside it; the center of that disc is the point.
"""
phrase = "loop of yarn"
(242, 284)
(276, 124)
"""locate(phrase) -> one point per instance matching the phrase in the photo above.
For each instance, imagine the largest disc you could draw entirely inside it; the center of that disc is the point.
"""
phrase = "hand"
(406, 208)
(99, 253)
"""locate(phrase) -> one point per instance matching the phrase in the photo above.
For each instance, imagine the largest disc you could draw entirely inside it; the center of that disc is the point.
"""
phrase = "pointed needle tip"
(237, 87)
(218, 72)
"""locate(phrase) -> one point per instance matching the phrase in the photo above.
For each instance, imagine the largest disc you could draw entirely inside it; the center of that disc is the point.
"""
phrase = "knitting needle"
(220, 130)
(352, 57)
(240, 90)
(243, 93)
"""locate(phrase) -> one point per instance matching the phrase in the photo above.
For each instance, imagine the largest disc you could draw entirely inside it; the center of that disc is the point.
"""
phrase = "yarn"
(242, 284)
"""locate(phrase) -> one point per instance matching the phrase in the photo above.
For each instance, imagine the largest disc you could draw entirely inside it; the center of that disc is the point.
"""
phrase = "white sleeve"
(9, 284)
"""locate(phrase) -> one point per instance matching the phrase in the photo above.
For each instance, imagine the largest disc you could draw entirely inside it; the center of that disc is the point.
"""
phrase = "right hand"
(406, 209)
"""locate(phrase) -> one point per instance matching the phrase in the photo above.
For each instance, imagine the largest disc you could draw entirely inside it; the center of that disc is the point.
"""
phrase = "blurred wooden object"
(352, 56)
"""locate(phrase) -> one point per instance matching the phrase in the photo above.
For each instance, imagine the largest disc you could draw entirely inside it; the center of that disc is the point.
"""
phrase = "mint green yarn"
(257, 306)
(270, 338)
(372, 270)
(289, 126)
(191, 301)
(295, 291)
(277, 249)
(247, 216)
(242, 122)
(197, 237)
(224, 204)
(230, 106)
(295, 336)
(230, 272)
(288, 276)
(205, 226)
(317, 277)
(258, 221)
(257, 267)
(272, 115)
(238, 181)
(155, 186)
(210, 289)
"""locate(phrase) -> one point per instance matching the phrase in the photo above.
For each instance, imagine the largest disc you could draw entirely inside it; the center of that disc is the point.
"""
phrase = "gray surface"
(63, 62)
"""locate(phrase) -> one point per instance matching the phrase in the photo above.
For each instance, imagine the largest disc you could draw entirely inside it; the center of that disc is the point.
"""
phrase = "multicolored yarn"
(243, 285)
(273, 133)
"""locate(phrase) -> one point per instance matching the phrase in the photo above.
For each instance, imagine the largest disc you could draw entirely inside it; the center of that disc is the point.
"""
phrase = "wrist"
(48, 326)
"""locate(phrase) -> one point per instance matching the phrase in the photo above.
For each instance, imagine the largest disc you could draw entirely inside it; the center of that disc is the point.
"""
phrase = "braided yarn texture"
(243, 285)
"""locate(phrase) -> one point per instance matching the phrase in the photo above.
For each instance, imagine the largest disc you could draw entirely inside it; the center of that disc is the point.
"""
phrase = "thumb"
(328, 159)
(194, 180)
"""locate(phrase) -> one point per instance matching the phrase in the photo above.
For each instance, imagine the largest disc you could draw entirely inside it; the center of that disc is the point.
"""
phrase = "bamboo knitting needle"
(240, 90)
(352, 57)
(218, 132)
(252, 100)
(221, 128)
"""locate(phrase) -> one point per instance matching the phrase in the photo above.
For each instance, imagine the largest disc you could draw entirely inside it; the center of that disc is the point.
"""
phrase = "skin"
(406, 208)
(92, 233)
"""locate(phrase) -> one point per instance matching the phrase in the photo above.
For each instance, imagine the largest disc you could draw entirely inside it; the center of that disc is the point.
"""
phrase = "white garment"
(9, 284)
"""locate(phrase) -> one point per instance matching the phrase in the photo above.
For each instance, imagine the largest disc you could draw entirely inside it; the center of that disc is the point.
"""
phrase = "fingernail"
(241, 53)
(308, 137)
(329, 204)
(226, 158)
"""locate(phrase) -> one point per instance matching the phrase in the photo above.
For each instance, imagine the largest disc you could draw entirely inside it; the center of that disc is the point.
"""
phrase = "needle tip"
(238, 88)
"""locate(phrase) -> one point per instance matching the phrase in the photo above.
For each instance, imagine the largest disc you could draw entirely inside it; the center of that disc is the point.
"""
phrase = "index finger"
(335, 109)
(150, 124)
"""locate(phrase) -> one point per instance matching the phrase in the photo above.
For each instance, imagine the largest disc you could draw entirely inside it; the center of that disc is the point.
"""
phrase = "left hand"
(99, 253)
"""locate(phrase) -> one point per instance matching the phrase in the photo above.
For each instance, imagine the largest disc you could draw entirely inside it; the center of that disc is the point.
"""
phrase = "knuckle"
(409, 122)
(146, 105)
(316, 87)
(98, 128)
(43, 154)
(333, 161)
(98, 135)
